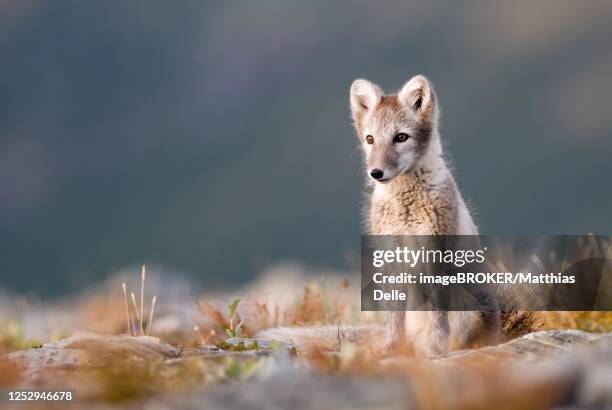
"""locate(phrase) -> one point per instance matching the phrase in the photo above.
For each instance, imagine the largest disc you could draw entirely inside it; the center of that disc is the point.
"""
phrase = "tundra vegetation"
(164, 344)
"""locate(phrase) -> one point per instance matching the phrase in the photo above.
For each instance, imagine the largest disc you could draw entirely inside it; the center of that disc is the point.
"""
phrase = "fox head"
(394, 130)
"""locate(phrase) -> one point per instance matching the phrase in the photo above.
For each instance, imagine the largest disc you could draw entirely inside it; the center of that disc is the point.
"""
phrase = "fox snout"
(382, 175)
(384, 162)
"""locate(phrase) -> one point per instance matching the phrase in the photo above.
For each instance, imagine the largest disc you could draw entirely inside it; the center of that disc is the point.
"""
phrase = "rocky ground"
(539, 370)
(204, 353)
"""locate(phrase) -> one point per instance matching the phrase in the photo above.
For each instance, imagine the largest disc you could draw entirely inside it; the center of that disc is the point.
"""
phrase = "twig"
(151, 316)
(127, 309)
(137, 315)
(142, 283)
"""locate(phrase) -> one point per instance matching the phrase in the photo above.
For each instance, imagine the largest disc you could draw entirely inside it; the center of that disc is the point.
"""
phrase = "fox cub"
(414, 193)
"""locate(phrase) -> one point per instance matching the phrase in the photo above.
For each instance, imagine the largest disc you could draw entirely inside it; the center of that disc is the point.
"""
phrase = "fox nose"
(376, 173)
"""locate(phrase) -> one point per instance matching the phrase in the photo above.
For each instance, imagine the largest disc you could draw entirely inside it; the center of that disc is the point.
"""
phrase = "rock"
(532, 347)
(86, 350)
(140, 346)
(259, 345)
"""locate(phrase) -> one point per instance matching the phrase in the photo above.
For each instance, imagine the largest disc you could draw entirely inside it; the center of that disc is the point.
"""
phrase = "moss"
(238, 347)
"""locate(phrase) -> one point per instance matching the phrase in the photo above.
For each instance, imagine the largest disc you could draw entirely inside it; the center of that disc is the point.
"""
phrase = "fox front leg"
(396, 330)
(438, 334)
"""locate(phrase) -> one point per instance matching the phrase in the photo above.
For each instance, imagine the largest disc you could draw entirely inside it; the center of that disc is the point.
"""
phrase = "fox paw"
(392, 343)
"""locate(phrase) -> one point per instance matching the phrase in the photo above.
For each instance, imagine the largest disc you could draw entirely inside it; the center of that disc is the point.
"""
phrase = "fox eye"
(370, 139)
(401, 137)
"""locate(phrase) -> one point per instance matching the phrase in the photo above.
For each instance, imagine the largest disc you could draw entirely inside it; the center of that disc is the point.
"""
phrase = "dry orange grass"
(587, 321)
(316, 303)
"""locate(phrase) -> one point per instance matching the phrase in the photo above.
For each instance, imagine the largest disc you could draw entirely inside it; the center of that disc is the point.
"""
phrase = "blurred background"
(214, 138)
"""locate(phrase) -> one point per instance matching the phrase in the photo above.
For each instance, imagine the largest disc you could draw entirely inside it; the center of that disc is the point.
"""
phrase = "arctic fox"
(414, 193)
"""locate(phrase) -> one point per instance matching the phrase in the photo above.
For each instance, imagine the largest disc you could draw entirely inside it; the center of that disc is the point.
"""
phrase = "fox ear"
(418, 95)
(364, 96)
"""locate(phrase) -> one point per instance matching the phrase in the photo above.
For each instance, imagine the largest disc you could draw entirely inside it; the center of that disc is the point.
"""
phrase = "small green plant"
(234, 331)
(12, 338)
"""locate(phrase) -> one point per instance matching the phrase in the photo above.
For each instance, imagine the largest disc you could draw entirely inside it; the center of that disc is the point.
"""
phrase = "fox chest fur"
(414, 205)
